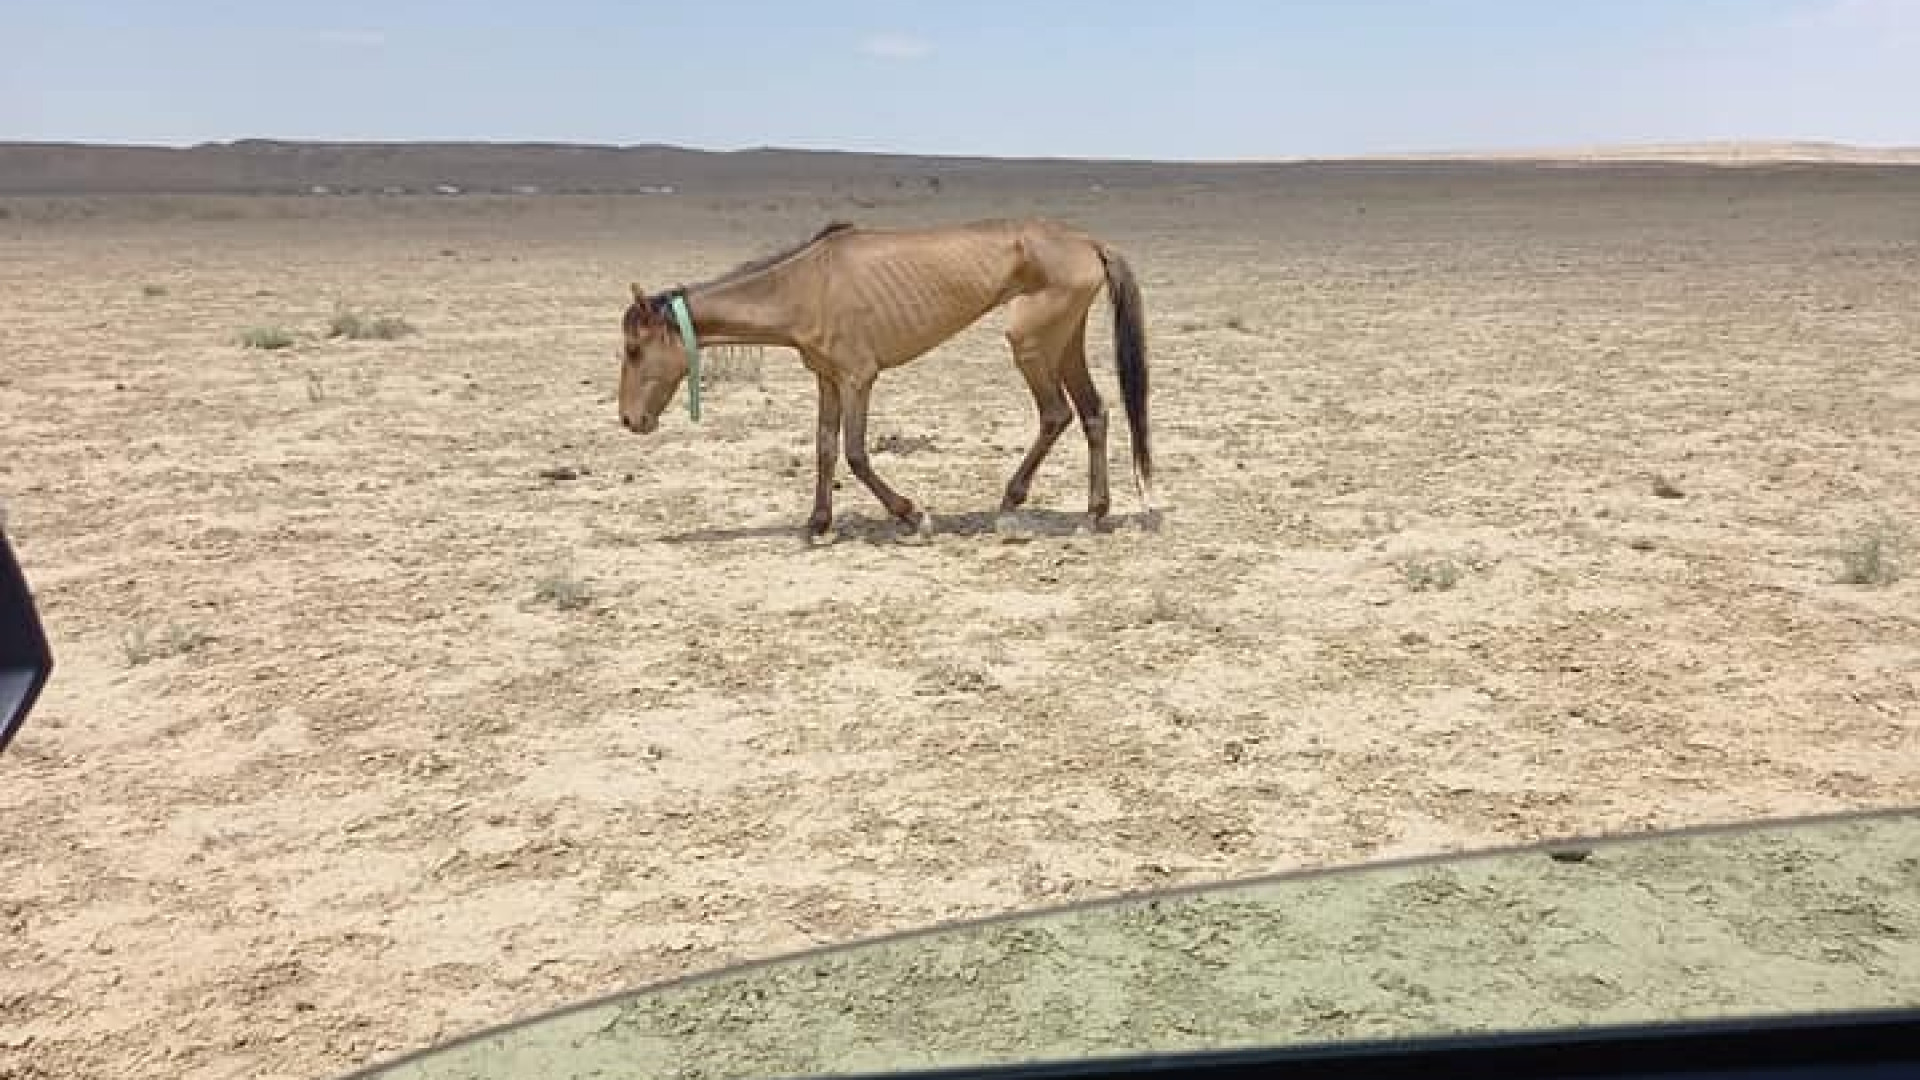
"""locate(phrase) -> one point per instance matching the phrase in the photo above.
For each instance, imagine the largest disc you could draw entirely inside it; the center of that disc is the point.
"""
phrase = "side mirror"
(25, 659)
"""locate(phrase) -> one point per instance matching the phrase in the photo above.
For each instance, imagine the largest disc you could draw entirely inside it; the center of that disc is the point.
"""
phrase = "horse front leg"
(857, 395)
(826, 451)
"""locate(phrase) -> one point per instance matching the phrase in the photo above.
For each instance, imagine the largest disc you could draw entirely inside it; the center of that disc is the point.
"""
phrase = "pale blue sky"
(1124, 78)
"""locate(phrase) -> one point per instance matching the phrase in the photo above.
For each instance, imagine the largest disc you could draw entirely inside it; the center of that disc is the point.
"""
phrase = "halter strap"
(677, 304)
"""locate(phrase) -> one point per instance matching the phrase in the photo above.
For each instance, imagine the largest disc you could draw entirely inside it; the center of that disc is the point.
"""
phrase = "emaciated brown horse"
(854, 302)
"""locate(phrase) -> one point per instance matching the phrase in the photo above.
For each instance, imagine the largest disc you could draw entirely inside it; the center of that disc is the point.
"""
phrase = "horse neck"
(752, 309)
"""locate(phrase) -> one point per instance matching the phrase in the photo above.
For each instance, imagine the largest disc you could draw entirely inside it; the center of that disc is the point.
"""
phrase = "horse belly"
(913, 309)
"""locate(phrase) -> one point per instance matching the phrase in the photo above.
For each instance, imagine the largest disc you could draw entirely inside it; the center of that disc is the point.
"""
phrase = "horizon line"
(1749, 149)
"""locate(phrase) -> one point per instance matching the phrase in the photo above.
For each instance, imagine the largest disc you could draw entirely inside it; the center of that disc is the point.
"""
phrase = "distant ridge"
(1699, 153)
(265, 166)
(268, 166)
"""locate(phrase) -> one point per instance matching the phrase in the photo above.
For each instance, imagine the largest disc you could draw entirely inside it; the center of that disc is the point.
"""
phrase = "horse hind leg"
(1037, 346)
(1093, 422)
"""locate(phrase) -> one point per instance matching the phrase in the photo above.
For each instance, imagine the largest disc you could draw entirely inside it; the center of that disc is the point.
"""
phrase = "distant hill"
(269, 166)
(265, 166)
(1699, 153)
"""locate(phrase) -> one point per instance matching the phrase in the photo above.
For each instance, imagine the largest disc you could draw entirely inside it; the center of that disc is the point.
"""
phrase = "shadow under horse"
(1028, 525)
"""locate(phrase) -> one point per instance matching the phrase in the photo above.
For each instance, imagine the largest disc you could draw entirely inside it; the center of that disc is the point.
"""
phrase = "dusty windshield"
(1822, 916)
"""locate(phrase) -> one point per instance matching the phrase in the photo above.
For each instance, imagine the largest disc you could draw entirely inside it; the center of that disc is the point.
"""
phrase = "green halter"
(678, 305)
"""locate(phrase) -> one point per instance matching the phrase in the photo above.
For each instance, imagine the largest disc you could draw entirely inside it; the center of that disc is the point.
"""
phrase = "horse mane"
(754, 265)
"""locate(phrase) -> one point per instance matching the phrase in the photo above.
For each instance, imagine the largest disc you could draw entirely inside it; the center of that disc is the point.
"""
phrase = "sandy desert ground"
(401, 691)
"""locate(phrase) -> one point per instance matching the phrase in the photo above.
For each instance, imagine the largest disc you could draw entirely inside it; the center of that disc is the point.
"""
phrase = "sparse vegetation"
(1384, 523)
(896, 443)
(1875, 557)
(1424, 573)
(267, 337)
(355, 325)
(732, 363)
(1167, 607)
(955, 678)
(1439, 571)
(151, 290)
(142, 644)
(564, 590)
(1665, 488)
(1235, 321)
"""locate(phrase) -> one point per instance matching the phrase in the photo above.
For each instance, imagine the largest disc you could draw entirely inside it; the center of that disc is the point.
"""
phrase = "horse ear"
(639, 294)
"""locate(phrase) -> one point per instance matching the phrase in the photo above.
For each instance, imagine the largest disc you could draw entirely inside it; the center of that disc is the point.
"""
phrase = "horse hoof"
(918, 528)
(1010, 529)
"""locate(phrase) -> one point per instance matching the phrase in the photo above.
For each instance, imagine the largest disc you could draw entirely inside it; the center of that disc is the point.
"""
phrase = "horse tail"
(1130, 358)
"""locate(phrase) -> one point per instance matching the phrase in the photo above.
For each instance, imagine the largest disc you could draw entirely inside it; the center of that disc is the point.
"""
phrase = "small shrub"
(1385, 523)
(563, 590)
(355, 326)
(151, 290)
(894, 443)
(1424, 573)
(142, 645)
(732, 363)
(1875, 557)
(1166, 608)
(266, 337)
(1438, 571)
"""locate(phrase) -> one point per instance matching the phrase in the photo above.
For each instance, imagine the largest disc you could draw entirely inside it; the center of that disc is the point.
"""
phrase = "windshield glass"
(539, 501)
(1819, 916)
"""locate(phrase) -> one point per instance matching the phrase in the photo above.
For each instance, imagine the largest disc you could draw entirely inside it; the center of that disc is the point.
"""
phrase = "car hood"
(1817, 915)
